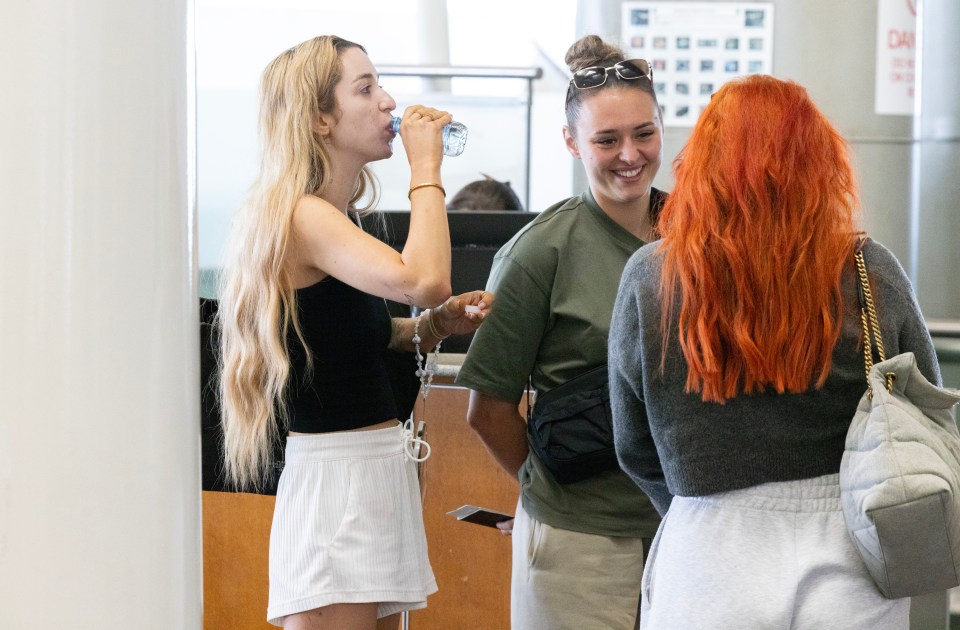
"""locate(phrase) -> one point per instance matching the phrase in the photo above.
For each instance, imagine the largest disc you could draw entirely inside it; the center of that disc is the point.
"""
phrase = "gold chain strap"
(870, 324)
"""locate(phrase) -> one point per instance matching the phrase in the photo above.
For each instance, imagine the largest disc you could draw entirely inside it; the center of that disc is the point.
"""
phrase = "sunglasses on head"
(595, 76)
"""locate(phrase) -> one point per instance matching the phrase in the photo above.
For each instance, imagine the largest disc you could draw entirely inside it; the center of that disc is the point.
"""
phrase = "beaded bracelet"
(413, 438)
(433, 329)
(424, 185)
(425, 370)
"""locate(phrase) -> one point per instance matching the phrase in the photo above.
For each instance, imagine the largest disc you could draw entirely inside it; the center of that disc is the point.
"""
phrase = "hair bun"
(591, 50)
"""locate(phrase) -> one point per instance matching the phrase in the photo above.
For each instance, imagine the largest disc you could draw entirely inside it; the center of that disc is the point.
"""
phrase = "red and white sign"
(896, 56)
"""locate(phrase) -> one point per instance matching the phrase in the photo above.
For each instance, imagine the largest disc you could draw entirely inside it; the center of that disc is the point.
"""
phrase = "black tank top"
(348, 332)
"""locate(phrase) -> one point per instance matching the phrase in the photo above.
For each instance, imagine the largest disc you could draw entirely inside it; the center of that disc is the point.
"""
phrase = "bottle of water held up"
(454, 136)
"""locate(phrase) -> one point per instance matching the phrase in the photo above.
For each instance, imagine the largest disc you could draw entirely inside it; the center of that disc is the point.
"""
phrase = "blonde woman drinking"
(304, 330)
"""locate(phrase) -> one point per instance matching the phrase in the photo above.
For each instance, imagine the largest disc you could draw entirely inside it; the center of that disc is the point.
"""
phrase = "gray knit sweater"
(673, 443)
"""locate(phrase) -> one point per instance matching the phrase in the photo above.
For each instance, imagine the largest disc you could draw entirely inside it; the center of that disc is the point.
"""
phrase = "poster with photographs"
(695, 47)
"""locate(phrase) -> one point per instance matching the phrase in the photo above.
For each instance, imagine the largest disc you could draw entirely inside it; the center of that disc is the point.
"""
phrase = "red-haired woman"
(736, 367)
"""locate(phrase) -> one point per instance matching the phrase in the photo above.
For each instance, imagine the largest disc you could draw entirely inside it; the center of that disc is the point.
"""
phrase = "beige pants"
(565, 580)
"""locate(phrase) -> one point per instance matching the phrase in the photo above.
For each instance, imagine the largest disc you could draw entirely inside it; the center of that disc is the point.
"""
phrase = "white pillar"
(602, 18)
(99, 412)
(935, 216)
(433, 42)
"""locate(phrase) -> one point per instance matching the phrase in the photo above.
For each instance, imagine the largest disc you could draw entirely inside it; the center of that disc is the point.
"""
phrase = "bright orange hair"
(756, 233)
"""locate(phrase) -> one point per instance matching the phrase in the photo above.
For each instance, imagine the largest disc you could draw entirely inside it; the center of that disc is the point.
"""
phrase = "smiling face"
(360, 127)
(618, 136)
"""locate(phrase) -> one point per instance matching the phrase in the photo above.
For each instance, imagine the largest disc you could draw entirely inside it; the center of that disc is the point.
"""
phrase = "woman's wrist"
(424, 173)
(433, 328)
(422, 185)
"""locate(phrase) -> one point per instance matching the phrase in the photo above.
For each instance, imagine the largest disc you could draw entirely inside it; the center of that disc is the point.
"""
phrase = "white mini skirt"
(348, 526)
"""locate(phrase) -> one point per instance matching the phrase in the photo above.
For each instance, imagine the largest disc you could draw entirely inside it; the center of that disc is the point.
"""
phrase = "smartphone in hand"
(479, 515)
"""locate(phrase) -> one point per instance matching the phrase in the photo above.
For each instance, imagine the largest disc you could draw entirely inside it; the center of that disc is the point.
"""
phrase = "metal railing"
(479, 72)
(944, 327)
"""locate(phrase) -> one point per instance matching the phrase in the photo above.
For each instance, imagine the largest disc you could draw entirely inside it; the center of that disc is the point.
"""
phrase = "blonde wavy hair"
(257, 301)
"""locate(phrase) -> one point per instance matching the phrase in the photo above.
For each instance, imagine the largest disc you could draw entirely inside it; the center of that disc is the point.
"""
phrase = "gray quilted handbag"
(900, 473)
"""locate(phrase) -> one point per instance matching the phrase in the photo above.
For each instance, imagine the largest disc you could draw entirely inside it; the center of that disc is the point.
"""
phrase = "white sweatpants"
(774, 556)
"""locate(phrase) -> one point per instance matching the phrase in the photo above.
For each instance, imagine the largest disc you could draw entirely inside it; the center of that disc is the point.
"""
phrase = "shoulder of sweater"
(646, 260)
(892, 289)
(883, 266)
(641, 275)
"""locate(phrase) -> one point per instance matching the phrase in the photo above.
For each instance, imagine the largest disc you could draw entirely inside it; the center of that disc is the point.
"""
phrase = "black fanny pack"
(570, 428)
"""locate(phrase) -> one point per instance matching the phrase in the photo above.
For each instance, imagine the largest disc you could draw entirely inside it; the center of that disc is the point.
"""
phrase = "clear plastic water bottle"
(454, 137)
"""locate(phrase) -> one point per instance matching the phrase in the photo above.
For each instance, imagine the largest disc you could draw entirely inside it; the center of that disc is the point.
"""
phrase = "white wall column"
(433, 41)
(602, 18)
(935, 212)
(99, 411)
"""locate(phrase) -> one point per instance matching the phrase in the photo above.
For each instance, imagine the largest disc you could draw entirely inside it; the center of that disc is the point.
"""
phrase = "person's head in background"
(485, 194)
(765, 204)
(613, 123)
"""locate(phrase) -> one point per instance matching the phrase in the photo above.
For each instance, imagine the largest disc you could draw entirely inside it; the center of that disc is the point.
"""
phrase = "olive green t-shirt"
(555, 283)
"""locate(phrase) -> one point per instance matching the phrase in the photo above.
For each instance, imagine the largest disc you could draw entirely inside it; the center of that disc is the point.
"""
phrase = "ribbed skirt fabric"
(348, 526)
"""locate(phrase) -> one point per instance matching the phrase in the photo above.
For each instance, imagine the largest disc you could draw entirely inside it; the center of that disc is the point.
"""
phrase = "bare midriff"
(373, 427)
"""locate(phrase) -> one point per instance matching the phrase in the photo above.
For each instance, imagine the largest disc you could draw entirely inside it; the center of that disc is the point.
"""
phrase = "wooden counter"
(471, 562)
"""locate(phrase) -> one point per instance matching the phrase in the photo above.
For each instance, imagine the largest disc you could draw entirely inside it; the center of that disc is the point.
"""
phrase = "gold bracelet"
(424, 185)
(433, 329)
